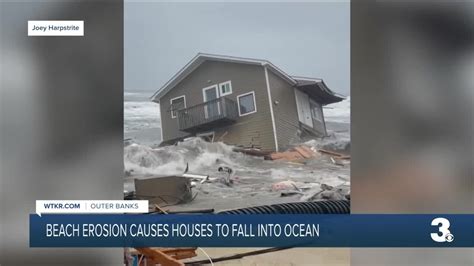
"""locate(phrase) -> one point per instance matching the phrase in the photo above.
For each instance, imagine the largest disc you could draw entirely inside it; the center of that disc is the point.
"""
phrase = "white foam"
(141, 115)
(204, 158)
(171, 160)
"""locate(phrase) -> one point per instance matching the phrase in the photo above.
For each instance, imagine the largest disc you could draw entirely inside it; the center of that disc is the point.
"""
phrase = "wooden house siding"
(253, 130)
(285, 112)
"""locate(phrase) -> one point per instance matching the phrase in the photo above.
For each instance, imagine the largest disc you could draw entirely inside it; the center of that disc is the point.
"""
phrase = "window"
(225, 88)
(246, 103)
(316, 111)
(177, 104)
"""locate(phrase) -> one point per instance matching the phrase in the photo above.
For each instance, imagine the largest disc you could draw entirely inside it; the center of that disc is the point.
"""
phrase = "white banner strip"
(91, 206)
(55, 27)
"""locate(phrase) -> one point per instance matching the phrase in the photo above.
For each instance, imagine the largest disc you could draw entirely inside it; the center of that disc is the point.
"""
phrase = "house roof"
(202, 57)
(316, 88)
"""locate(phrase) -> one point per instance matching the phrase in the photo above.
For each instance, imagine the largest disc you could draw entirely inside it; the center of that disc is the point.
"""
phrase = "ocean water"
(141, 119)
(143, 157)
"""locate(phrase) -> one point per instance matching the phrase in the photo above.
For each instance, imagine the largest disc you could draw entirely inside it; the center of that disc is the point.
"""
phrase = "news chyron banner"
(128, 224)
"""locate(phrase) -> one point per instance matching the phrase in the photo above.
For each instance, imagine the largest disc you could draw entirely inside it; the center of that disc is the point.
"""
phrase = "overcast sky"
(302, 39)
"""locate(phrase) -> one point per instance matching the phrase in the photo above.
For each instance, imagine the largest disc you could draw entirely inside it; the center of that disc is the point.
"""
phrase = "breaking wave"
(139, 115)
(335, 142)
(203, 157)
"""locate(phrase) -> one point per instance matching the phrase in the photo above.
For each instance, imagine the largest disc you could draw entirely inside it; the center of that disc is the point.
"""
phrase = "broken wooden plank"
(169, 251)
(184, 255)
(180, 253)
(274, 156)
(305, 153)
(293, 155)
(159, 257)
(159, 209)
(333, 153)
(253, 151)
(287, 155)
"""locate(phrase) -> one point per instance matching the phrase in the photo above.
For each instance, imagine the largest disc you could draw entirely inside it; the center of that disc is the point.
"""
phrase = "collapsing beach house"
(245, 102)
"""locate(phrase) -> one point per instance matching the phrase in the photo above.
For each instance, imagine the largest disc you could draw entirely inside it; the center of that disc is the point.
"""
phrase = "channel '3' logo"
(443, 234)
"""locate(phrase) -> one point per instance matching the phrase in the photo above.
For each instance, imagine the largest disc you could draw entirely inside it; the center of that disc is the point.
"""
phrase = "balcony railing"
(218, 112)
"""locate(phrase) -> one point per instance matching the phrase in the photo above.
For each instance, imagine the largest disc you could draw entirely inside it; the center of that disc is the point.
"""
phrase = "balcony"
(205, 116)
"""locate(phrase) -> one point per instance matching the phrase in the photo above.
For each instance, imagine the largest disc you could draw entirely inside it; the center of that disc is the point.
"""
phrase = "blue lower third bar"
(141, 230)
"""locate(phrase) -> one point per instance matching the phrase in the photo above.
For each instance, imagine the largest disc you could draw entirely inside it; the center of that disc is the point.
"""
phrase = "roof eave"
(324, 94)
